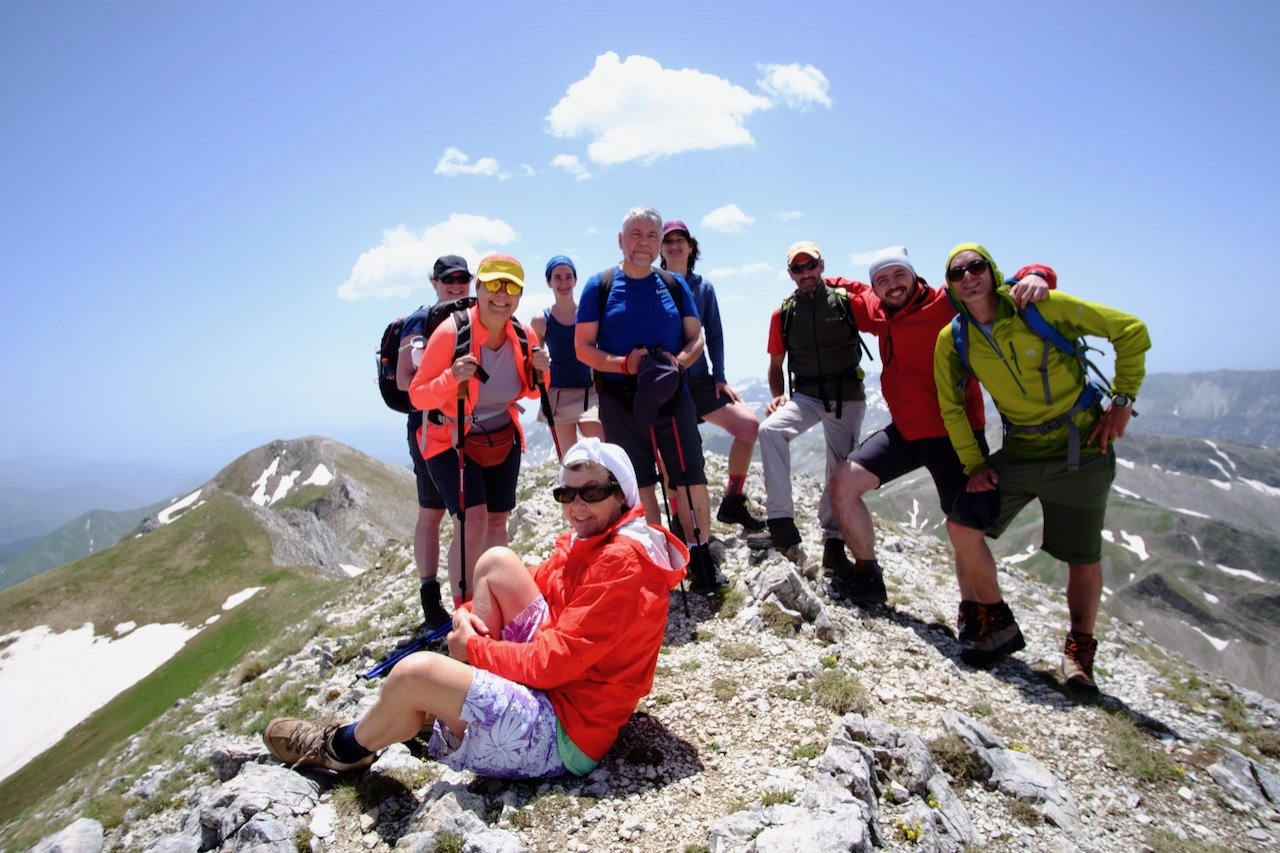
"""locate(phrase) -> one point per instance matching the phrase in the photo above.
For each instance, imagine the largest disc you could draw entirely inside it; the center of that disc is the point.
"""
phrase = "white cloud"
(591, 231)
(453, 163)
(862, 259)
(402, 262)
(789, 215)
(571, 164)
(634, 109)
(796, 86)
(527, 170)
(727, 220)
(759, 268)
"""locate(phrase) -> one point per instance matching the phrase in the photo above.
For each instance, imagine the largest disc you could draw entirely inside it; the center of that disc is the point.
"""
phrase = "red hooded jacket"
(595, 655)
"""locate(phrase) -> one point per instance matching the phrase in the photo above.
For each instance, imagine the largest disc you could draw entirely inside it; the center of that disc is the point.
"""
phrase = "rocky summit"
(780, 719)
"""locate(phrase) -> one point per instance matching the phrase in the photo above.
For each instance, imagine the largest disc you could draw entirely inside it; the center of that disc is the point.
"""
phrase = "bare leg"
(739, 421)
(504, 587)
(495, 530)
(476, 524)
(848, 484)
(426, 542)
(591, 429)
(974, 556)
(649, 499)
(1084, 594)
(701, 509)
(566, 437)
(422, 686)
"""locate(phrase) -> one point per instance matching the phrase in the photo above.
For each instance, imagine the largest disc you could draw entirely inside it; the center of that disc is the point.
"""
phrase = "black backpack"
(388, 351)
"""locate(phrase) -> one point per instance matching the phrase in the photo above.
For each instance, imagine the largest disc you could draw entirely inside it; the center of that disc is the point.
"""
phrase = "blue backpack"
(1090, 395)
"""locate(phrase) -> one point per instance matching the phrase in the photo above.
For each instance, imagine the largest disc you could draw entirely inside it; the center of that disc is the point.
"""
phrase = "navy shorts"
(495, 486)
(889, 456)
(622, 428)
(428, 497)
(705, 400)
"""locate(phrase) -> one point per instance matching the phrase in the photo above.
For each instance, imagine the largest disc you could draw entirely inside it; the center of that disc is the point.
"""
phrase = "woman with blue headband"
(574, 408)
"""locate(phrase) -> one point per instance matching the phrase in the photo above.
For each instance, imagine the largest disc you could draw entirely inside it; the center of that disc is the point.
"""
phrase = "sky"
(210, 210)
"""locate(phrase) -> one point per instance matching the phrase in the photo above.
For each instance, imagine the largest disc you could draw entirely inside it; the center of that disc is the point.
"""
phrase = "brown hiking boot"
(998, 636)
(968, 622)
(1077, 663)
(298, 743)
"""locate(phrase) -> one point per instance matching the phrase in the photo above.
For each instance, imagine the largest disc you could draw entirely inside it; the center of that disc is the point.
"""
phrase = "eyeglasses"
(456, 278)
(796, 269)
(975, 268)
(592, 494)
(514, 288)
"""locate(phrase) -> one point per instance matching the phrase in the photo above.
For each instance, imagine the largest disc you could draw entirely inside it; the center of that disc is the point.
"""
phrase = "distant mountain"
(1235, 405)
(38, 495)
(87, 534)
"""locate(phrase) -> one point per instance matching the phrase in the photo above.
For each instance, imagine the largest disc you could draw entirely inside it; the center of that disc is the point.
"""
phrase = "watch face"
(1121, 400)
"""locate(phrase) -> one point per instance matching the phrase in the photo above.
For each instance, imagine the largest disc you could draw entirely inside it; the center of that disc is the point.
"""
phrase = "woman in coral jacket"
(494, 373)
(577, 649)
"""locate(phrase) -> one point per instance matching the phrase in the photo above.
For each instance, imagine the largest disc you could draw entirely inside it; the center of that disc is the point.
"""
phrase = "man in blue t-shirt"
(639, 316)
(452, 281)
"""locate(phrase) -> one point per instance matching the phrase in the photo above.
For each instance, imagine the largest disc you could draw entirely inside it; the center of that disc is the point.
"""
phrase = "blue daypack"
(1090, 395)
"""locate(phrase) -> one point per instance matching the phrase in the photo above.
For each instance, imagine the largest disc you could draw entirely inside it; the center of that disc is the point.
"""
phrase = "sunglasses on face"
(592, 494)
(796, 269)
(513, 288)
(456, 278)
(977, 267)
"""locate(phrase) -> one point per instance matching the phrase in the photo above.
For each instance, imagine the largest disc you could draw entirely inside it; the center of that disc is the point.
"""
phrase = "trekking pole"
(688, 496)
(666, 505)
(462, 492)
(546, 412)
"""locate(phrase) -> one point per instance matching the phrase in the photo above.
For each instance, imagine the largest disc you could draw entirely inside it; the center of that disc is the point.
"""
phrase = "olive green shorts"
(1074, 502)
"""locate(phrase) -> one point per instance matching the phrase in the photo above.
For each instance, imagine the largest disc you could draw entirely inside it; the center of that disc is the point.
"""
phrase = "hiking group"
(545, 664)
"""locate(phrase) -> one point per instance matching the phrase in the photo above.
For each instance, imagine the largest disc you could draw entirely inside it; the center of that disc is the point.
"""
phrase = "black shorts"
(705, 400)
(683, 460)
(428, 497)
(495, 486)
(889, 456)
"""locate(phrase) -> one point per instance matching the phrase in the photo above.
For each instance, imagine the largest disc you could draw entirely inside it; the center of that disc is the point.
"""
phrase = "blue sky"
(208, 211)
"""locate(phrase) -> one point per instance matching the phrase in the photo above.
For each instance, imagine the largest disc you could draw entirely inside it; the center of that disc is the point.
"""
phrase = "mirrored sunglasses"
(494, 285)
(977, 267)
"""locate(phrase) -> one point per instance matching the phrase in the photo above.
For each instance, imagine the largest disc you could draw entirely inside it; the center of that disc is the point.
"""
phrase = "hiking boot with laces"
(783, 534)
(865, 584)
(967, 621)
(298, 743)
(998, 636)
(734, 510)
(1077, 663)
(433, 613)
(703, 578)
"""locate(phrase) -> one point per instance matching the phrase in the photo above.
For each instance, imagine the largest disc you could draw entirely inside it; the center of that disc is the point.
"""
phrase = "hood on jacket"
(996, 276)
(666, 552)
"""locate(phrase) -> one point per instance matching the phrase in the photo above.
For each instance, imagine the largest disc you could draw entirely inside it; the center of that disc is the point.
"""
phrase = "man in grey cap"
(815, 333)
(452, 282)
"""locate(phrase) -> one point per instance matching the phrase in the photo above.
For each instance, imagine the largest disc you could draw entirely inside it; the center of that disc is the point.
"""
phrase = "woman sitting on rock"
(576, 651)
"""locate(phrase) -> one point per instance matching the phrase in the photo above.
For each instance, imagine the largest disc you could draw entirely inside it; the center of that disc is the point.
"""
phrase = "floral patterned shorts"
(511, 729)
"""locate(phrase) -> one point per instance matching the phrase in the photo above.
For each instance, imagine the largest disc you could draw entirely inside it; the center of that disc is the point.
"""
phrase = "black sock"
(345, 746)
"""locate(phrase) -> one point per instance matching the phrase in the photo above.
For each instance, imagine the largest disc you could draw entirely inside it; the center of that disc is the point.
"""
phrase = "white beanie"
(612, 457)
(895, 257)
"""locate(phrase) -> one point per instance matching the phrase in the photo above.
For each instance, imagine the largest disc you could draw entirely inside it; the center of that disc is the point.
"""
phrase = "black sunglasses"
(796, 269)
(592, 494)
(458, 278)
(977, 267)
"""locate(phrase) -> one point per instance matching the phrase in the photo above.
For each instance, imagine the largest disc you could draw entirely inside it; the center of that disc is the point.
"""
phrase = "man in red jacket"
(548, 692)
(907, 315)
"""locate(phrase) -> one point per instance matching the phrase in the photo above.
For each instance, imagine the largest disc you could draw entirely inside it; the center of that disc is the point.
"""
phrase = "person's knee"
(851, 481)
(963, 535)
(413, 673)
(497, 560)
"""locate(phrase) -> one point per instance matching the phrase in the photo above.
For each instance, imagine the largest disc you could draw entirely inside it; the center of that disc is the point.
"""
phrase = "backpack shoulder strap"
(606, 284)
(846, 310)
(960, 338)
(673, 287)
(1036, 322)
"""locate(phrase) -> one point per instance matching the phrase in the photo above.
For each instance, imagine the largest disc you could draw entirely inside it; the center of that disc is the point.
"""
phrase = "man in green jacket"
(1057, 447)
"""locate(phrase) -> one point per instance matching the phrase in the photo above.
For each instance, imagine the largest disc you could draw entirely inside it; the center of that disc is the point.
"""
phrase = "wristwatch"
(1121, 400)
